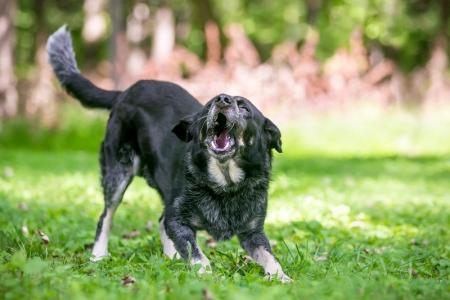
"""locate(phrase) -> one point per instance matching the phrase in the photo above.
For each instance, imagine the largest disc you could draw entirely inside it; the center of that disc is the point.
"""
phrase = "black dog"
(210, 164)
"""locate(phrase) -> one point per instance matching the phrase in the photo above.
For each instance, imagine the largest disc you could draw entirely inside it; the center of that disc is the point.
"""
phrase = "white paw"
(205, 267)
(96, 258)
(280, 276)
(284, 278)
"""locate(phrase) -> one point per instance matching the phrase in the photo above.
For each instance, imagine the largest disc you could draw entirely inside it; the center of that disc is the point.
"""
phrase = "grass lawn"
(359, 209)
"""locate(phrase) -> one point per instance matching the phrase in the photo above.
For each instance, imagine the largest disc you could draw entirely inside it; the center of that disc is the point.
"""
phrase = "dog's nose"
(223, 100)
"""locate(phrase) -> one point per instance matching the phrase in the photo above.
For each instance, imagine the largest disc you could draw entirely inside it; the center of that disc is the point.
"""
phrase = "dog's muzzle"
(221, 125)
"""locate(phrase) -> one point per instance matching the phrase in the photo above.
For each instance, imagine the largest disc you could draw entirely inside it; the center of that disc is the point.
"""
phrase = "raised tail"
(62, 58)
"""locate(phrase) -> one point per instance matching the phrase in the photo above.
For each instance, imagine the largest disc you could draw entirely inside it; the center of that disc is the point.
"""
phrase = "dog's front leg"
(168, 245)
(185, 243)
(257, 245)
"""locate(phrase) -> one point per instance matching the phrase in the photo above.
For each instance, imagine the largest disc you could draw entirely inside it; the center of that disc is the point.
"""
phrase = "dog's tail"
(62, 58)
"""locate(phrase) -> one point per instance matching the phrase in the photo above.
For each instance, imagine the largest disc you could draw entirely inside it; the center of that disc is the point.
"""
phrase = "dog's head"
(229, 126)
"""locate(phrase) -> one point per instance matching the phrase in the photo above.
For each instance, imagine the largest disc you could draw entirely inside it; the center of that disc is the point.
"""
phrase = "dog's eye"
(243, 109)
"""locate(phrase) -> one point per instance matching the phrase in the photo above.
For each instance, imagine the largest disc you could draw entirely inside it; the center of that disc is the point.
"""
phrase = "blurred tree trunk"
(445, 14)
(116, 19)
(94, 27)
(118, 43)
(8, 91)
(203, 11)
(445, 20)
(213, 45)
(41, 102)
(164, 35)
(206, 19)
(437, 65)
(313, 8)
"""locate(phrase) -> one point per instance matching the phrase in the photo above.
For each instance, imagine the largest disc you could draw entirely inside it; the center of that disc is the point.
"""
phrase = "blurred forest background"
(359, 201)
(284, 55)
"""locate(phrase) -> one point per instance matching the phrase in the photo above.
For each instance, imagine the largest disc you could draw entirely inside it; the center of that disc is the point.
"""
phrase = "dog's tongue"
(222, 139)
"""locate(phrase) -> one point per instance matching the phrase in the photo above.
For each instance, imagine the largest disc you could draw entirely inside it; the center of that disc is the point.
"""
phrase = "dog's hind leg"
(119, 164)
(167, 244)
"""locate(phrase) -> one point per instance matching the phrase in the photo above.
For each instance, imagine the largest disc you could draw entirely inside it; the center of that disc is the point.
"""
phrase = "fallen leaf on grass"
(413, 272)
(88, 246)
(22, 206)
(25, 230)
(8, 172)
(247, 259)
(321, 258)
(212, 243)
(149, 226)
(207, 295)
(44, 238)
(128, 280)
(132, 234)
(373, 251)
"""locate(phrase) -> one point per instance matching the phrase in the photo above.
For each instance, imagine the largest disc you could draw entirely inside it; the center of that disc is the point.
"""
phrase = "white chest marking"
(215, 173)
(236, 173)
(223, 173)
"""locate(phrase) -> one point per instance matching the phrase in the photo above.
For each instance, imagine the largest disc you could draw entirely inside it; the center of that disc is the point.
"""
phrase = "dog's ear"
(273, 135)
(183, 129)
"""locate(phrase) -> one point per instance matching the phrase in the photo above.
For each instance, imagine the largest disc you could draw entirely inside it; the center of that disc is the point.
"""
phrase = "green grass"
(359, 209)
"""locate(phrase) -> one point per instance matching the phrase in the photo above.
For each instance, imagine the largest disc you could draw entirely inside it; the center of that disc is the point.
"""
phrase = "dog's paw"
(283, 278)
(205, 270)
(95, 258)
(205, 267)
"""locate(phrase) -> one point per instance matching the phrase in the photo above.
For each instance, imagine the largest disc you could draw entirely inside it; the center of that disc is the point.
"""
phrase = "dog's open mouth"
(221, 140)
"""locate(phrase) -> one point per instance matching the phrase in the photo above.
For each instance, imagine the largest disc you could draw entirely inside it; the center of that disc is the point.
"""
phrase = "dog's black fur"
(210, 164)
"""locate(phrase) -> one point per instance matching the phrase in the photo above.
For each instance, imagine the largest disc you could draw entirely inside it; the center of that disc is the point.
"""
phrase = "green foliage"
(359, 209)
(76, 130)
(266, 22)
(35, 20)
(406, 30)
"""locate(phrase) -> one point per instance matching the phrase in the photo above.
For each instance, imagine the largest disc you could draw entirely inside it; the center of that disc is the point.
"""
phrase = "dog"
(210, 164)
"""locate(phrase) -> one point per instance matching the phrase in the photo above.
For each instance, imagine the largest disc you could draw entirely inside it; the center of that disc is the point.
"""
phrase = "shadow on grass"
(432, 168)
(390, 190)
(395, 166)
